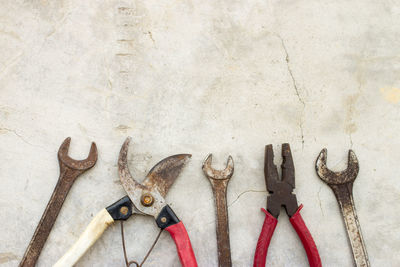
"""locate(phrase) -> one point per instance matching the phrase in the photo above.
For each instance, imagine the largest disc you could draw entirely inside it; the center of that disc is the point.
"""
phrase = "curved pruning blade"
(128, 182)
(164, 173)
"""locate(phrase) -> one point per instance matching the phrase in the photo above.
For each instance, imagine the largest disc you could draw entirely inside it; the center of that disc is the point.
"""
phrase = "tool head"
(330, 177)
(218, 174)
(164, 173)
(77, 164)
(148, 198)
(280, 190)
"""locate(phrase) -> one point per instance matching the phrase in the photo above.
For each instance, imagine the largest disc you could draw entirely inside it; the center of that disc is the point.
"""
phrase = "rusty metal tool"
(281, 194)
(70, 169)
(146, 198)
(341, 184)
(219, 180)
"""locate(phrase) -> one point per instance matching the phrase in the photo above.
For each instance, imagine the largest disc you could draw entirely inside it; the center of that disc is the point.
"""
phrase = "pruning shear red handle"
(169, 221)
(302, 231)
(183, 246)
(281, 194)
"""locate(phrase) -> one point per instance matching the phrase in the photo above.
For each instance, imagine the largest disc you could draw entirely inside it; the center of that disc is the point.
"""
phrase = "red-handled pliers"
(281, 194)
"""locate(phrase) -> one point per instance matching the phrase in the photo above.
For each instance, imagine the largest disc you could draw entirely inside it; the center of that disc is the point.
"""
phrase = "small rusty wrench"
(70, 169)
(219, 181)
(342, 185)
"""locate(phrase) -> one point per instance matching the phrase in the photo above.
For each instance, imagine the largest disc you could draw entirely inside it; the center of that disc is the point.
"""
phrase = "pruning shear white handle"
(92, 232)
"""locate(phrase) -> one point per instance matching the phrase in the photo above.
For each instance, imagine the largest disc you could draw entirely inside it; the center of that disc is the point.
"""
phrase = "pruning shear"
(281, 194)
(145, 199)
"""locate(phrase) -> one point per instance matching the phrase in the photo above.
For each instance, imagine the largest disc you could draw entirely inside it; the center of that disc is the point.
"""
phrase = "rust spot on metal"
(147, 199)
(164, 173)
(70, 169)
(124, 210)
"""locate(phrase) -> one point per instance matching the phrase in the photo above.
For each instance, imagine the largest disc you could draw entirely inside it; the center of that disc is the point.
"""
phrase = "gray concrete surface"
(226, 77)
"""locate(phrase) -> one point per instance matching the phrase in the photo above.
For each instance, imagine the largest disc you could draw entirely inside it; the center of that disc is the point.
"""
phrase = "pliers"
(281, 194)
(145, 198)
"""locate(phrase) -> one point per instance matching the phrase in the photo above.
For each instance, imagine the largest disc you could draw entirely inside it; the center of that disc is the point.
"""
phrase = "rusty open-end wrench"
(219, 181)
(342, 185)
(70, 169)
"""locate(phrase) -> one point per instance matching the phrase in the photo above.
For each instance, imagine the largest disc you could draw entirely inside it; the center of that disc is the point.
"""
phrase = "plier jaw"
(280, 190)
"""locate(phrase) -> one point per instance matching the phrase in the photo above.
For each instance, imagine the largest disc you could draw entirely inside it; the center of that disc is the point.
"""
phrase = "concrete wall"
(226, 77)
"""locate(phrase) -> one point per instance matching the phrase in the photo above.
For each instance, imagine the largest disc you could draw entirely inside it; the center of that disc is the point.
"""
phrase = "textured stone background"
(226, 77)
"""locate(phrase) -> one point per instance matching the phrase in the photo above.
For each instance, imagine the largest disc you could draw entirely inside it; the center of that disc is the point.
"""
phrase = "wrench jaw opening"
(335, 178)
(212, 173)
(81, 165)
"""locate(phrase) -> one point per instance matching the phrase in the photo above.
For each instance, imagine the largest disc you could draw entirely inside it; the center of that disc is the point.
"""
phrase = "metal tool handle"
(223, 243)
(183, 246)
(306, 239)
(47, 221)
(344, 196)
(92, 232)
(264, 239)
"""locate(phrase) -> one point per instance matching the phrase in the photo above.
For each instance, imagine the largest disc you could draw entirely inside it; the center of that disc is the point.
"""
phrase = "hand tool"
(342, 185)
(219, 181)
(70, 169)
(145, 199)
(281, 194)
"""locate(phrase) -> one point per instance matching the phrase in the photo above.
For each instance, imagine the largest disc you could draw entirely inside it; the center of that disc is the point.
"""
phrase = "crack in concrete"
(319, 201)
(351, 141)
(17, 134)
(7, 257)
(287, 59)
(14, 60)
(351, 126)
(58, 24)
(151, 37)
(359, 93)
(291, 73)
(302, 133)
(244, 192)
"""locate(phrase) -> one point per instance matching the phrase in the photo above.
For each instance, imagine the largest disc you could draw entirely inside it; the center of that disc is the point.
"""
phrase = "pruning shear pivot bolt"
(281, 194)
